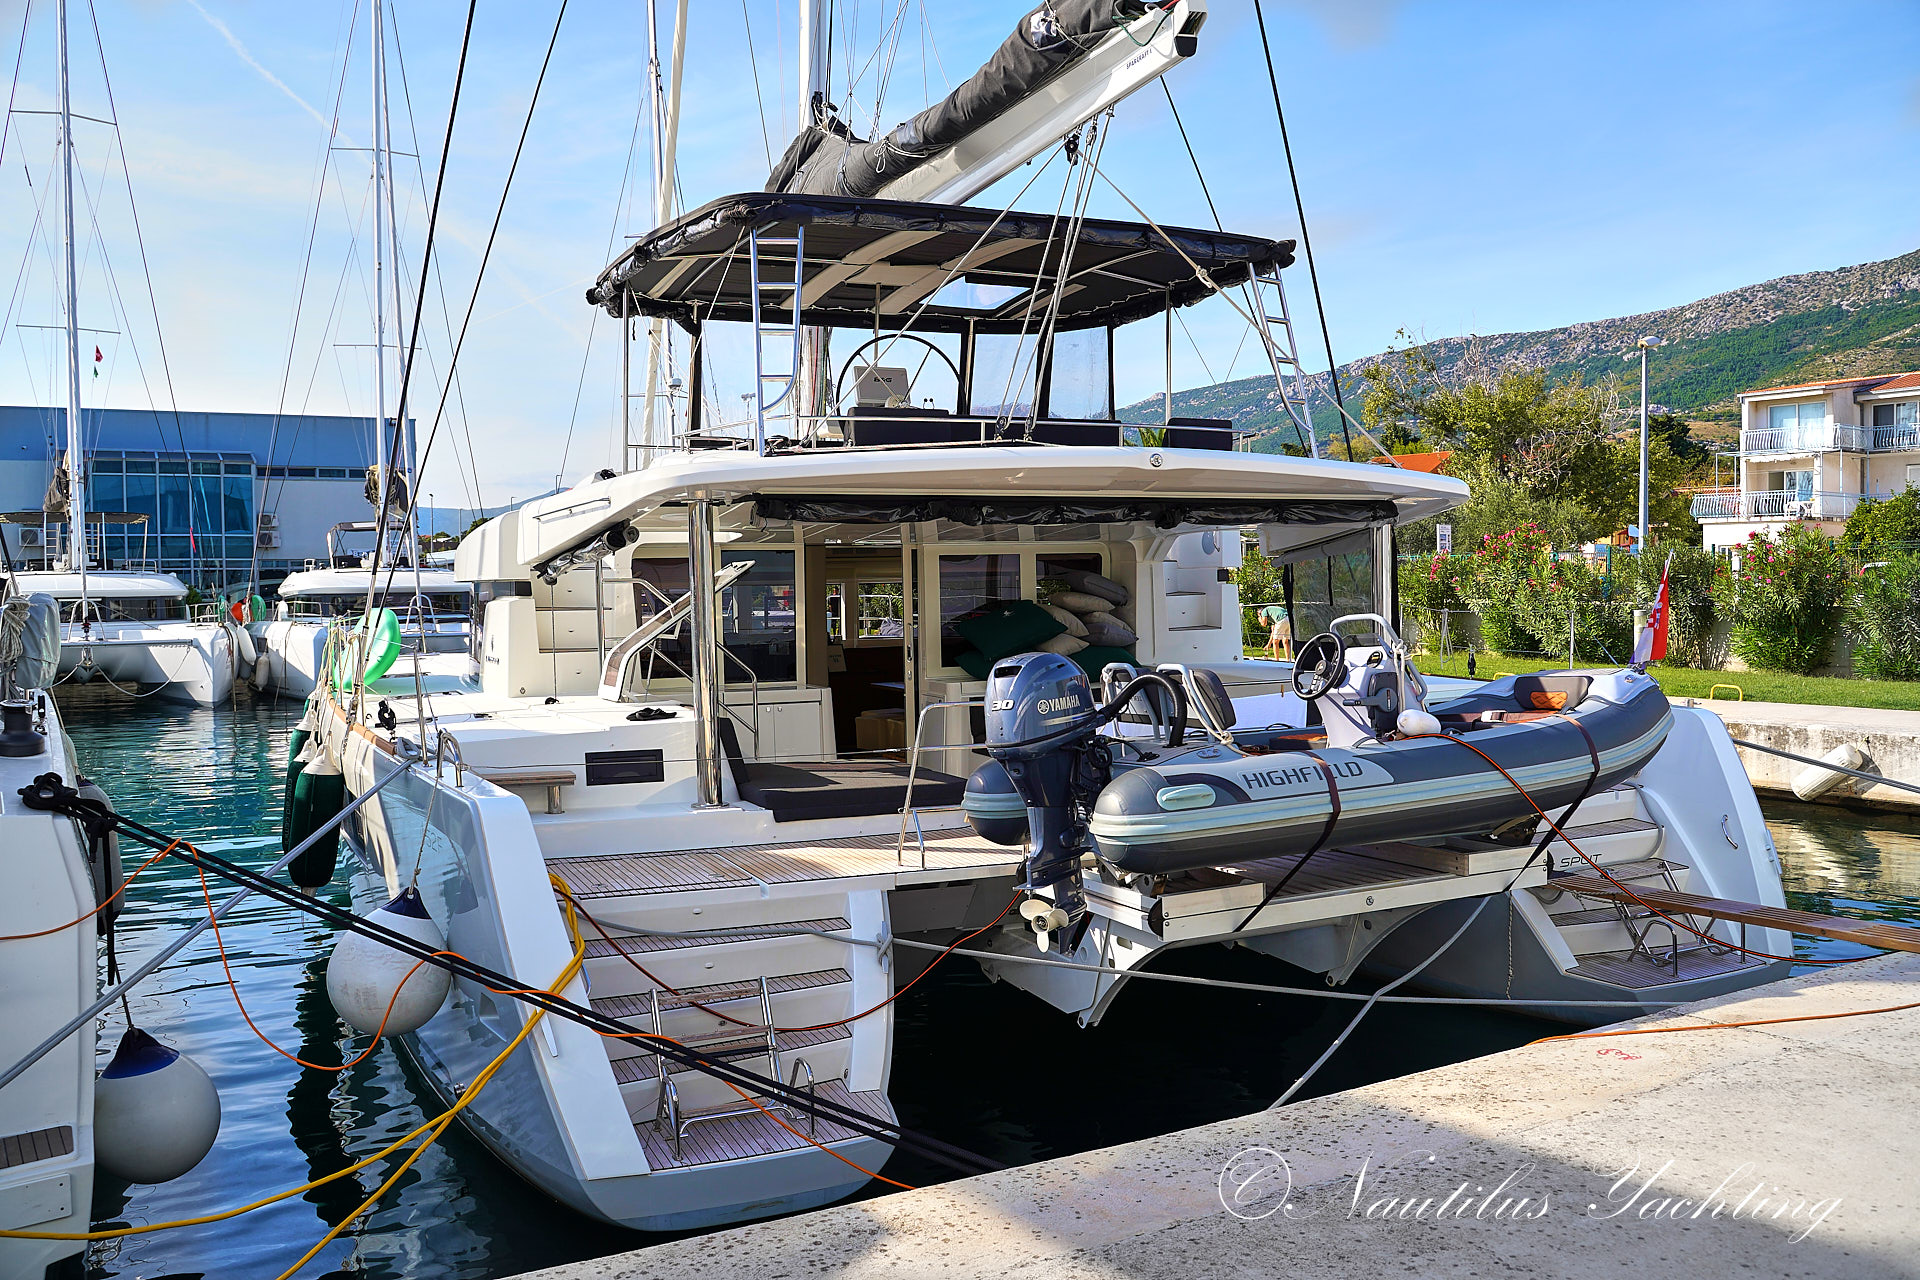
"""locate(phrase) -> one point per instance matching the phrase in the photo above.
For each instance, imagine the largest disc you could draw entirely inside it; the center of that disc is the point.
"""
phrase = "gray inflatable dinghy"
(1560, 735)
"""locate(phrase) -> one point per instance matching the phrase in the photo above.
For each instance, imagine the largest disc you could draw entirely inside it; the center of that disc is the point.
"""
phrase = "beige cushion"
(1079, 602)
(1071, 621)
(1124, 614)
(1064, 644)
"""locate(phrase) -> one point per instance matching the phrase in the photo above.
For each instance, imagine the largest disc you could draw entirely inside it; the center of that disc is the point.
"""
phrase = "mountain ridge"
(1845, 322)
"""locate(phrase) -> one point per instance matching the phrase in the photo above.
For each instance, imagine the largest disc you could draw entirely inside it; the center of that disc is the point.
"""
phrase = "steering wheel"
(840, 383)
(1320, 666)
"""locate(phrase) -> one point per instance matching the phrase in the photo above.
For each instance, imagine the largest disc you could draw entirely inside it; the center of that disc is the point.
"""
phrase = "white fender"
(155, 1112)
(363, 972)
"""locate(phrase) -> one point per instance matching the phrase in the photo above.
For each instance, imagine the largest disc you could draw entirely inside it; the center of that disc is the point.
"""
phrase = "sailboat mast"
(377, 56)
(810, 390)
(76, 461)
(664, 114)
(401, 461)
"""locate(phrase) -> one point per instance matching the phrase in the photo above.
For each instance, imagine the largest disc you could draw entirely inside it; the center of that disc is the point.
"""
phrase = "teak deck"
(742, 866)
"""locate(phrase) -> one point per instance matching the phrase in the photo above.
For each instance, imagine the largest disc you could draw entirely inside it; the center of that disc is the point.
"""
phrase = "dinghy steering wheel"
(1319, 666)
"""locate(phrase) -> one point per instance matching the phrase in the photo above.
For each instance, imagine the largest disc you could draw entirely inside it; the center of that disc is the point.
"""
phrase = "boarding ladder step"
(753, 1042)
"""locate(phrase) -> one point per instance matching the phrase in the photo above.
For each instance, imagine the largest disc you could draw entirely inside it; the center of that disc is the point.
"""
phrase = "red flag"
(97, 357)
(1652, 645)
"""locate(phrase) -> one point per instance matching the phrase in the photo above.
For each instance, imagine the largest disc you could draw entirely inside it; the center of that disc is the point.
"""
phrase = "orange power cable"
(1717, 1026)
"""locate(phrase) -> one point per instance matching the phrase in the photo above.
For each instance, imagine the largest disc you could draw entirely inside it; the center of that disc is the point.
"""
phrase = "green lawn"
(1687, 682)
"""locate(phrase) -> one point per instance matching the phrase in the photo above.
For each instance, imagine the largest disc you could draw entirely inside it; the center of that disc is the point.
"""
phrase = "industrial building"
(204, 481)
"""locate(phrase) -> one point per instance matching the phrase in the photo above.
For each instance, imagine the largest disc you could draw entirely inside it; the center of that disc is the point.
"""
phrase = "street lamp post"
(1645, 345)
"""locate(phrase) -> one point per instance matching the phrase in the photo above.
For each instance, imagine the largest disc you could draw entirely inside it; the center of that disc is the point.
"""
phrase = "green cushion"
(973, 662)
(1014, 626)
(1096, 656)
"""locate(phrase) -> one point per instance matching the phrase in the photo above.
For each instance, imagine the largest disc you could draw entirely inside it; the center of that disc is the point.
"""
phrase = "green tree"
(1672, 429)
(1886, 524)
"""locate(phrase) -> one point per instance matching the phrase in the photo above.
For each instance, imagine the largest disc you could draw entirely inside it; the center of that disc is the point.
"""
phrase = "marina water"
(1166, 1057)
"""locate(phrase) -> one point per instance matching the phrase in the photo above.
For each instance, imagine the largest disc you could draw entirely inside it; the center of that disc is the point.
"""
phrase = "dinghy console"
(1365, 683)
(1048, 759)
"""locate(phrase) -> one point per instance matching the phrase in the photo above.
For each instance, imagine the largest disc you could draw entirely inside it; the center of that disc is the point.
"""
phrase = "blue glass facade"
(198, 478)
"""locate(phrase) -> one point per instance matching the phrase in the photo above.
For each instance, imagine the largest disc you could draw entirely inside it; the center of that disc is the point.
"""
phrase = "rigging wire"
(753, 63)
(440, 286)
(146, 271)
(1306, 240)
(19, 56)
(622, 204)
(413, 339)
(487, 253)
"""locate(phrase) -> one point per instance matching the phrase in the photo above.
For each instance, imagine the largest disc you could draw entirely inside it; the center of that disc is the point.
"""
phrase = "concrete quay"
(1783, 1150)
(1891, 740)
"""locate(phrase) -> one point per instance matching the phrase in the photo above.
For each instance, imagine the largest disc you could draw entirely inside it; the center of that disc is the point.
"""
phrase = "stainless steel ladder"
(757, 261)
(745, 1040)
(1283, 350)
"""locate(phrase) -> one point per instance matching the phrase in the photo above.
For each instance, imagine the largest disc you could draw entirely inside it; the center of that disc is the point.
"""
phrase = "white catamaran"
(912, 656)
(431, 606)
(127, 627)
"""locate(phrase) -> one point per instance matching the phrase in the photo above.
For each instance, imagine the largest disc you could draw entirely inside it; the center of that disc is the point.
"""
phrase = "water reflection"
(1165, 1058)
(1847, 862)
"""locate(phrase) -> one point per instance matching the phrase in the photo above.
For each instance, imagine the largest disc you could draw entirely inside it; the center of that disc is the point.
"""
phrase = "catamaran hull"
(1217, 804)
(553, 1113)
(186, 662)
(293, 651)
(47, 1113)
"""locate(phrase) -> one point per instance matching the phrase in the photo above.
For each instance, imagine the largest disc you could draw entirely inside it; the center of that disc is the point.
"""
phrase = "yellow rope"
(438, 1124)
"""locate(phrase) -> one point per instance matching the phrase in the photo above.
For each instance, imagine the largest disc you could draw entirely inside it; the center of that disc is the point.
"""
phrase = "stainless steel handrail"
(443, 744)
(913, 770)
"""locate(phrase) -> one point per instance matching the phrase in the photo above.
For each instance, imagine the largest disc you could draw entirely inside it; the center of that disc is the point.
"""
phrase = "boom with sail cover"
(827, 159)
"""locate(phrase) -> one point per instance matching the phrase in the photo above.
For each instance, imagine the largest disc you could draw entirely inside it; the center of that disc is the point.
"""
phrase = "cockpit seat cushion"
(1007, 626)
(864, 788)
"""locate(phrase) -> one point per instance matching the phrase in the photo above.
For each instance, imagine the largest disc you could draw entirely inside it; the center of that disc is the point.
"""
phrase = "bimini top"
(1163, 488)
(878, 261)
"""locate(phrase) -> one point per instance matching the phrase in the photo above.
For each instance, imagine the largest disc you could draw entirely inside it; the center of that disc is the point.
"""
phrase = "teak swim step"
(1892, 937)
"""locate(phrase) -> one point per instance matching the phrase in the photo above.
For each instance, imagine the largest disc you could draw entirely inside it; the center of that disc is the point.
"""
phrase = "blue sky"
(1466, 168)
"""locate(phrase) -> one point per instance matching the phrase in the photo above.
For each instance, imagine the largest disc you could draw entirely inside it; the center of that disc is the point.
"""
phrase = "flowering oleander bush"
(1788, 597)
(1507, 569)
(1886, 619)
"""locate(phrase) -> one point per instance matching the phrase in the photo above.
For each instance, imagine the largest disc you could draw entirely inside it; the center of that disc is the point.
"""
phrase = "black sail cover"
(827, 159)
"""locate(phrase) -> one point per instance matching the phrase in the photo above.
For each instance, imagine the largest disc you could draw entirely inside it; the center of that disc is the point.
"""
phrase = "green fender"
(318, 793)
(382, 648)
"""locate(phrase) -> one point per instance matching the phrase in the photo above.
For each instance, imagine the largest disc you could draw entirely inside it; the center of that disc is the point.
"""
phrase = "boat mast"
(810, 391)
(76, 463)
(664, 112)
(381, 198)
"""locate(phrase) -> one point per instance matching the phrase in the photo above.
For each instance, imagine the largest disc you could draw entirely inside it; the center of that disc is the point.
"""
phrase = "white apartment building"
(1815, 451)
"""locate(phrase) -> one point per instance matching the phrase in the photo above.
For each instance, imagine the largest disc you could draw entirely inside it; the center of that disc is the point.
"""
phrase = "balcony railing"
(1808, 439)
(1776, 504)
(1905, 436)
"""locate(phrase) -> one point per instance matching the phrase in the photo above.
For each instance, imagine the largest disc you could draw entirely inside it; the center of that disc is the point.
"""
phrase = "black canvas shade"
(871, 262)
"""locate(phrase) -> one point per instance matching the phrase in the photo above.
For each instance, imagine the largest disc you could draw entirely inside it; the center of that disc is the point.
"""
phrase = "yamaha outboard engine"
(1041, 724)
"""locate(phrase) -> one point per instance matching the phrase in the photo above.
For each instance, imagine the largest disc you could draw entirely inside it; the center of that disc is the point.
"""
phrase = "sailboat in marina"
(372, 564)
(126, 627)
(932, 646)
